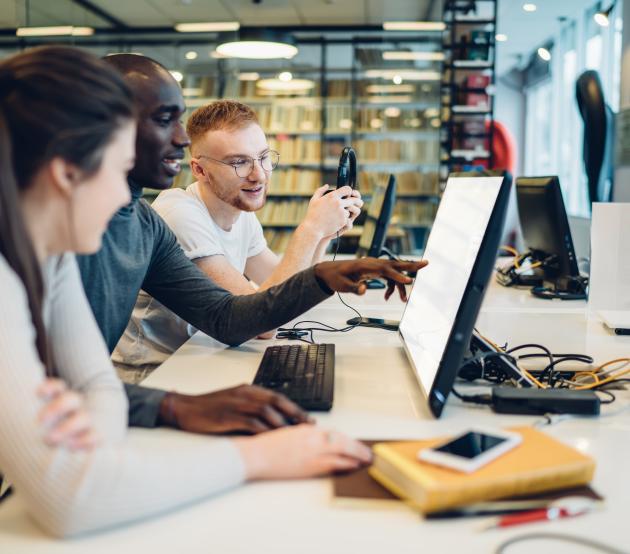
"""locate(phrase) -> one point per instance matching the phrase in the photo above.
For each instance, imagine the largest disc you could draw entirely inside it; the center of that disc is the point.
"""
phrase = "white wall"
(509, 109)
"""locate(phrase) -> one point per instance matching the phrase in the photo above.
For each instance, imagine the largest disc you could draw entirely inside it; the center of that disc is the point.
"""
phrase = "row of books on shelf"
(407, 242)
(275, 118)
(305, 181)
(306, 151)
(290, 213)
(335, 88)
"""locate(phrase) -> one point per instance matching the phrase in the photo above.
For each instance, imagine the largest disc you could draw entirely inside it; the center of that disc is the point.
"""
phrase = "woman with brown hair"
(67, 135)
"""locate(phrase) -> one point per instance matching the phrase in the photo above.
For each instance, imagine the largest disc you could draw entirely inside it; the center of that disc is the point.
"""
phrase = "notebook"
(539, 464)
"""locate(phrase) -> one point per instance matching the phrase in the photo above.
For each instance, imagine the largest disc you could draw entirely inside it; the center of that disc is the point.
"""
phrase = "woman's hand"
(66, 422)
(299, 452)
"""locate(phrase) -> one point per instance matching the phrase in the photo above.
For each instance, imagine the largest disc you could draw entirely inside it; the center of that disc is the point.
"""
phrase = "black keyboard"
(303, 372)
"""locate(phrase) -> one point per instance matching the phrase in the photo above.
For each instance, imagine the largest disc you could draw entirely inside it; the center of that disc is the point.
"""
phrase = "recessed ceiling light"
(208, 27)
(397, 79)
(411, 56)
(191, 55)
(544, 54)
(257, 49)
(500, 37)
(414, 26)
(285, 76)
(529, 7)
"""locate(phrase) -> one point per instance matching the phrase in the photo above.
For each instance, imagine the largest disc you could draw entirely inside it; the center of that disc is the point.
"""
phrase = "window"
(553, 125)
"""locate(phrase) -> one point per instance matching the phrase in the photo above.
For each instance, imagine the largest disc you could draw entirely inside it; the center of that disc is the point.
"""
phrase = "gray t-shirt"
(139, 251)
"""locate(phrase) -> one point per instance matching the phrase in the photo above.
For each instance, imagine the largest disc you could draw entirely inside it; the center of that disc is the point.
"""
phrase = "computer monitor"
(439, 317)
(545, 226)
(376, 223)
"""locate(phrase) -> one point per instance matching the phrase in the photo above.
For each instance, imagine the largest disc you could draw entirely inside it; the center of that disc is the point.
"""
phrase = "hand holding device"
(329, 214)
(472, 449)
(350, 275)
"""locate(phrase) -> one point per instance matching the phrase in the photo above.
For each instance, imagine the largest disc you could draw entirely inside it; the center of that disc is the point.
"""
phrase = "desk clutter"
(539, 471)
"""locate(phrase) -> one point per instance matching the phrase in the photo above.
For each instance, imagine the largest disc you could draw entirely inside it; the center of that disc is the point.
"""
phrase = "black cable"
(483, 399)
(610, 394)
(574, 539)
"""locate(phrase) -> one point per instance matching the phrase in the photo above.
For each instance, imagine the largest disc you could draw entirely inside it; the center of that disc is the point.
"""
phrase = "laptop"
(443, 305)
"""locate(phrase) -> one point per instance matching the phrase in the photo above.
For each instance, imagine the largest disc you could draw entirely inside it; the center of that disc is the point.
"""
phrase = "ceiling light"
(544, 54)
(67, 30)
(192, 55)
(177, 75)
(386, 89)
(601, 19)
(82, 31)
(208, 27)
(500, 37)
(529, 7)
(285, 76)
(251, 76)
(407, 75)
(397, 79)
(414, 26)
(257, 50)
(294, 85)
(410, 56)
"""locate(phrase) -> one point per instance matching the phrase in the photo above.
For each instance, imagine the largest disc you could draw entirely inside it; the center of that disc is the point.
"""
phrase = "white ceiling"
(527, 31)
(164, 13)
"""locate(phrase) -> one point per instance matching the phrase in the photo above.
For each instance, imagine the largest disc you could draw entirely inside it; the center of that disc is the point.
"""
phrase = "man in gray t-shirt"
(140, 252)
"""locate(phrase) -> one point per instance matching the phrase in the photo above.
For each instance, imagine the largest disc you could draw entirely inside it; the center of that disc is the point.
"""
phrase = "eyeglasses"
(245, 165)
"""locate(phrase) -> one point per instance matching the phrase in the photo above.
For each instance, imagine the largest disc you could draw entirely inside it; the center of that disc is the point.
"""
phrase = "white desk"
(376, 396)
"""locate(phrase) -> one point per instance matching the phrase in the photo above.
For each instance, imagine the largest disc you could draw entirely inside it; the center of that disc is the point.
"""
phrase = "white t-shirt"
(154, 332)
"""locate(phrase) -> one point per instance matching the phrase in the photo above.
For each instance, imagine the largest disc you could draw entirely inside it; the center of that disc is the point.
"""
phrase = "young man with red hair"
(215, 224)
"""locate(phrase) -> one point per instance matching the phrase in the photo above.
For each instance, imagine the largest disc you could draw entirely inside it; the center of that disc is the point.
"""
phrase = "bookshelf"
(467, 99)
(354, 99)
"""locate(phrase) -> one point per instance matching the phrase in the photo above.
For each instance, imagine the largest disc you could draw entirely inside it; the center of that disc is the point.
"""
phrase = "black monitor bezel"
(552, 203)
(382, 221)
(463, 326)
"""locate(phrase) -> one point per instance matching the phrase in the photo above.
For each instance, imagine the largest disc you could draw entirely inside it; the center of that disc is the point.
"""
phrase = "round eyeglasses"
(245, 165)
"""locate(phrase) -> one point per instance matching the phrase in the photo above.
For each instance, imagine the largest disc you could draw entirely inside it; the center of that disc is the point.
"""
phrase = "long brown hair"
(55, 101)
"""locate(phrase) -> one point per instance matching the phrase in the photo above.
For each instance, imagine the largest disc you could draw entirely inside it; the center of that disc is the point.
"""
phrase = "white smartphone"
(472, 449)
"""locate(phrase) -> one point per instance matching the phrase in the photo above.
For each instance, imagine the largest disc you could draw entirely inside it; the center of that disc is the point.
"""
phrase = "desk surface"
(376, 396)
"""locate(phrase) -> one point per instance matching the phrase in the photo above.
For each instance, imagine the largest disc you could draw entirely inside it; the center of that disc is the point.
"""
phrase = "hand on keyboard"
(245, 408)
(299, 452)
(350, 275)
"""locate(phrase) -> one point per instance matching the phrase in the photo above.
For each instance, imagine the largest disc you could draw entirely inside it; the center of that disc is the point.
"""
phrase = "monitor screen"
(377, 220)
(545, 225)
(461, 251)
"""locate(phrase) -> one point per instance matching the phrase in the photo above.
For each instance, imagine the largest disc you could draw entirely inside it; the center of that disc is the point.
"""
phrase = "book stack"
(539, 464)
(295, 181)
(408, 182)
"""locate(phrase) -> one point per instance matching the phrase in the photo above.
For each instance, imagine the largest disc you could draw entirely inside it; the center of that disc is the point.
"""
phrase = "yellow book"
(540, 463)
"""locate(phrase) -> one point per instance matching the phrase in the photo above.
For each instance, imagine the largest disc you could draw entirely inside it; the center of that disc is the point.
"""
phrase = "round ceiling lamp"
(258, 45)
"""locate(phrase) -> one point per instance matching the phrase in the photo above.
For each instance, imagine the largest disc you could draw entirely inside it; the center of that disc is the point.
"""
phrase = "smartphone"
(388, 324)
(472, 449)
